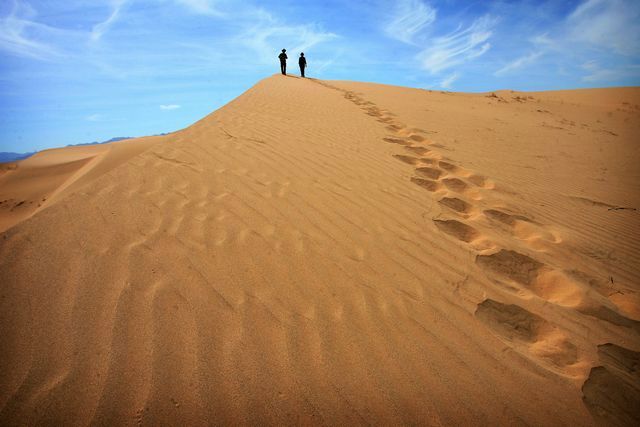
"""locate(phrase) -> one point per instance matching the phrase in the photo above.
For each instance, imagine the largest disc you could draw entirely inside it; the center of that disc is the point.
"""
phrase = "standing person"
(283, 62)
(302, 62)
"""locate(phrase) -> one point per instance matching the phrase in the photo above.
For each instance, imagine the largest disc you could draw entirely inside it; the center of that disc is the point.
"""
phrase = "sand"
(328, 252)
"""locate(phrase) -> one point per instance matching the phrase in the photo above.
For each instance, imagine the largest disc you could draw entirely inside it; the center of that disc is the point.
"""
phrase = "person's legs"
(302, 71)
(282, 67)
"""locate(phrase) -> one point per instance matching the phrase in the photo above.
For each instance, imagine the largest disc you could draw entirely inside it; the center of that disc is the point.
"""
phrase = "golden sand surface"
(329, 252)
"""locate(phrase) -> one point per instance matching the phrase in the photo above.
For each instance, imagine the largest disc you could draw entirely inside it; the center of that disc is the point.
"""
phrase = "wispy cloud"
(266, 35)
(542, 40)
(169, 106)
(19, 34)
(100, 29)
(94, 118)
(595, 32)
(203, 7)
(459, 46)
(609, 24)
(448, 81)
(519, 63)
(599, 74)
(409, 19)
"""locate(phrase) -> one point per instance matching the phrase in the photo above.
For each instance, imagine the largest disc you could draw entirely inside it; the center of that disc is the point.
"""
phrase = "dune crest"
(333, 253)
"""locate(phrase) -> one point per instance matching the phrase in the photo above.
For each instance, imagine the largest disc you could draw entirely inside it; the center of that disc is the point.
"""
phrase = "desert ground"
(332, 252)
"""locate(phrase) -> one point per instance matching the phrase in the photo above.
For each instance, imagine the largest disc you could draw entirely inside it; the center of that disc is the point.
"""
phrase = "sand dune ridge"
(329, 253)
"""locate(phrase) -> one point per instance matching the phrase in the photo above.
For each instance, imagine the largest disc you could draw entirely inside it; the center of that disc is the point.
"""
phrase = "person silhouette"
(283, 62)
(302, 62)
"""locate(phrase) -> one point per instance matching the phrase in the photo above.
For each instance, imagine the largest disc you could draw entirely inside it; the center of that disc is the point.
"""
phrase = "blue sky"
(77, 71)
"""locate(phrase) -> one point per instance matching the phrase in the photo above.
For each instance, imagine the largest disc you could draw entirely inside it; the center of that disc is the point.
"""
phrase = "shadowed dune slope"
(333, 253)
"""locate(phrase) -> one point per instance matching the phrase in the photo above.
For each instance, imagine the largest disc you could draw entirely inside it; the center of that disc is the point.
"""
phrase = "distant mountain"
(116, 139)
(6, 157)
(12, 157)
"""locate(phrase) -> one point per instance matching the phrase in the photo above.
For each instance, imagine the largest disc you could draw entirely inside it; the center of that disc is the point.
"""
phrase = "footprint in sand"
(373, 111)
(528, 333)
(456, 204)
(428, 160)
(438, 170)
(457, 229)
(429, 172)
(431, 177)
(455, 184)
(412, 136)
(472, 179)
(413, 133)
(407, 159)
(612, 391)
(420, 151)
(394, 127)
(465, 233)
(625, 299)
(477, 180)
(139, 416)
(505, 218)
(427, 184)
(512, 265)
(449, 167)
(553, 285)
(400, 141)
(522, 227)
(481, 181)
(436, 173)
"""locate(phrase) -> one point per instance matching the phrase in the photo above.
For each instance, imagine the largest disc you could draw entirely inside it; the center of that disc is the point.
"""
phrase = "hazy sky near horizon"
(76, 71)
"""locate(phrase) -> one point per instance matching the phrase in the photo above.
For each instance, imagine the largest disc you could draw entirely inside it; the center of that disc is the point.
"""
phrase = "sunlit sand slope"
(340, 253)
(31, 185)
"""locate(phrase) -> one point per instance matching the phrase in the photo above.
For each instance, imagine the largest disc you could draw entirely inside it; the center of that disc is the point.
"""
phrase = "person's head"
(284, 50)
(301, 53)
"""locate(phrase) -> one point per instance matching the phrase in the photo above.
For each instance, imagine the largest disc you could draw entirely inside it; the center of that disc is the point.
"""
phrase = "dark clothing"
(302, 62)
(283, 63)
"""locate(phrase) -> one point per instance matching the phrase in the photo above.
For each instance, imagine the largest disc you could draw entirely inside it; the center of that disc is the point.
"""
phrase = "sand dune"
(33, 184)
(332, 253)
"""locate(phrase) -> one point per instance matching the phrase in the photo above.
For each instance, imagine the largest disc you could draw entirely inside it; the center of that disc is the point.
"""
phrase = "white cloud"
(542, 40)
(100, 29)
(321, 65)
(598, 74)
(94, 118)
(448, 81)
(609, 24)
(170, 107)
(518, 63)
(596, 32)
(309, 37)
(409, 19)
(266, 36)
(458, 47)
(202, 7)
(19, 34)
